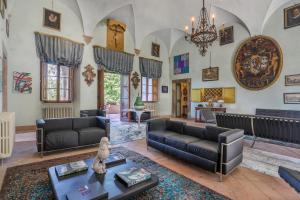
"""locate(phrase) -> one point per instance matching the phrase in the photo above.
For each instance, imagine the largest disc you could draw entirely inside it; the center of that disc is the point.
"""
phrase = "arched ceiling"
(167, 18)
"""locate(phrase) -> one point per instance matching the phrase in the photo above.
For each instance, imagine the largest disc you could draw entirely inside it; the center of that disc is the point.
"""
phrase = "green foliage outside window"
(112, 88)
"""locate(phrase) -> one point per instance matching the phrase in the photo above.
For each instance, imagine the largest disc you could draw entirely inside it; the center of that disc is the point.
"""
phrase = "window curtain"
(150, 68)
(57, 50)
(113, 61)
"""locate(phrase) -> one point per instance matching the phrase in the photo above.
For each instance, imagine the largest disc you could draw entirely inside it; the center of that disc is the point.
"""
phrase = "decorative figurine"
(103, 153)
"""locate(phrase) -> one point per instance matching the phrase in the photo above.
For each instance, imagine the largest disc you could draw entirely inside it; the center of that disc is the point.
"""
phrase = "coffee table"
(116, 190)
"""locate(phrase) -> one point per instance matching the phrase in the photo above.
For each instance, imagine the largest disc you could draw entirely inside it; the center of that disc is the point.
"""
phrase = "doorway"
(181, 100)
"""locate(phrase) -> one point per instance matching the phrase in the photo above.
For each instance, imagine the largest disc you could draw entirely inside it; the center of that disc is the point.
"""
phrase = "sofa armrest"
(231, 144)
(104, 123)
(101, 113)
(40, 134)
(156, 124)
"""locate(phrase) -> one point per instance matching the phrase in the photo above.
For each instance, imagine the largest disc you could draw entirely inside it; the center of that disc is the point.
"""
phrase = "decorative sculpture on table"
(139, 104)
(89, 74)
(135, 80)
(103, 153)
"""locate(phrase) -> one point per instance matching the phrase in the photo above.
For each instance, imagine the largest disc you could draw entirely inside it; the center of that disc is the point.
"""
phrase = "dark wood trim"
(25, 129)
(100, 89)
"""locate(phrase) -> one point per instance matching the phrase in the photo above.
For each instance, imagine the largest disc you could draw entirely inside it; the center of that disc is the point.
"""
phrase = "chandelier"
(204, 34)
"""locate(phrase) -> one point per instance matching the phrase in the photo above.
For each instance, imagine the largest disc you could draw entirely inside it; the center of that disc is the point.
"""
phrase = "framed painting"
(291, 80)
(257, 63)
(164, 89)
(5, 3)
(2, 9)
(115, 35)
(155, 50)
(22, 82)
(292, 16)
(226, 35)
(181, 64)
(291, 98)
(210, 74)
(52, 19)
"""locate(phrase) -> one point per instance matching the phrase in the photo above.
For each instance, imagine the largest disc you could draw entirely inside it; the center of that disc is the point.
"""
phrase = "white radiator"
(7, 134)
(57, 111)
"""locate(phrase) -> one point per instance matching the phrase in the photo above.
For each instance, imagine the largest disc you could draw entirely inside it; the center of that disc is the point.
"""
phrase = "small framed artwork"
(292, 16)
(5, 3)
(226, 35)
(7, 28)
(22, 82)
(2, 9)
(210, 74)
(164, 89)
(52, 19)
(155, 50)
(291, 98)
(291, 80)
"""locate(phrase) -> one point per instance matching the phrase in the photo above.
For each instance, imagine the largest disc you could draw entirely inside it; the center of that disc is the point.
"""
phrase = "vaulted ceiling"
(167, 18)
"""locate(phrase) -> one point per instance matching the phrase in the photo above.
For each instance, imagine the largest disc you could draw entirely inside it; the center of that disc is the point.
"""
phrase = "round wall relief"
(258, 63)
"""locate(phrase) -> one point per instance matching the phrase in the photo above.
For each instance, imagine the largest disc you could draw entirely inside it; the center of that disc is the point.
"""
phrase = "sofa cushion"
(194, 131)
(180, 141)
(205, 149)
(91, 135)
(61, 139)
(86, 122)
(175, 126)
(212, 132)
(160, 136)
(58, 124)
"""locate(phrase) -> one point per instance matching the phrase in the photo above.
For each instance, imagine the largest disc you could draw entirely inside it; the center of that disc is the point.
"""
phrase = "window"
(56, 83)
(149, 89)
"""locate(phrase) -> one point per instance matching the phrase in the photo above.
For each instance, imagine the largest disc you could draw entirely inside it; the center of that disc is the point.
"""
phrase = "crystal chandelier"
(204, 34)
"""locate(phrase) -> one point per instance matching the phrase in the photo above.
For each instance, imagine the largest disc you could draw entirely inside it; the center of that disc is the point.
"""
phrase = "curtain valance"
(113, 61)
(150, 68)
(58, 50)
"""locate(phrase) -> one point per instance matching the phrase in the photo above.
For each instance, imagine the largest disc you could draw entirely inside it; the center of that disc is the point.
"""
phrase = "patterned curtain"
(113, 61)
(150, 68)
(57, 50)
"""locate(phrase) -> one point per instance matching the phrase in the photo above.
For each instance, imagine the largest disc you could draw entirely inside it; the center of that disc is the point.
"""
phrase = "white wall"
(222, 56)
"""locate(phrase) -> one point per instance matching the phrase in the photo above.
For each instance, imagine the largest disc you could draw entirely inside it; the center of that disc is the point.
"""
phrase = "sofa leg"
(221, 177)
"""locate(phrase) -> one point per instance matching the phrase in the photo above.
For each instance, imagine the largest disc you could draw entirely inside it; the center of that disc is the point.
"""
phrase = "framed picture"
(52, 19)
(7, 28)
(22, 82)
(181, 64)
(291, 98)
(210, 74)
(5, 3)
(292, 16)
(164, 89)
(291, 80)
(2, 9)
(155, 50)
(226, 35)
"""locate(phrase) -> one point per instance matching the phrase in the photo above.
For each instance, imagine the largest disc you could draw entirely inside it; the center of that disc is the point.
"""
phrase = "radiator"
(7, 134)
(57, 111)
(152, 106)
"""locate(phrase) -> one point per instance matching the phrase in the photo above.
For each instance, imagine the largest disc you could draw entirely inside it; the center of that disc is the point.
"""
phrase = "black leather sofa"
(57, 134)
(212, 148)
(263, 126)
(278, 113)
(92, 113)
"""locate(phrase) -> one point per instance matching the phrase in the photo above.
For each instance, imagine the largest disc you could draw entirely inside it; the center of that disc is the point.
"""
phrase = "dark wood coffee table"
(115, 189)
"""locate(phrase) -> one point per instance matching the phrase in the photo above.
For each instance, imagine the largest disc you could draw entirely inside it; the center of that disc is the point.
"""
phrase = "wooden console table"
(198, 115)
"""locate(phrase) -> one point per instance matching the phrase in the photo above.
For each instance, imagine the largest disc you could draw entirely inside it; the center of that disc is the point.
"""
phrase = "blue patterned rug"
(31, 181)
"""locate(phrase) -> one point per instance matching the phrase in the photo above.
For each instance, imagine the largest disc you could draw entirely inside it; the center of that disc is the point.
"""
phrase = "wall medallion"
(258, 63)
(135, 79)
(89, 74)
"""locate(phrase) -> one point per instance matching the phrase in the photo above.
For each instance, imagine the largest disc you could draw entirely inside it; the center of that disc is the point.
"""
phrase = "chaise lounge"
(212, 148)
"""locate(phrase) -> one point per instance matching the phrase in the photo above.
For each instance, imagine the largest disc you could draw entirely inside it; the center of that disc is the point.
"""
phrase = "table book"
(115, 159)
(133, 176)
(71, 168)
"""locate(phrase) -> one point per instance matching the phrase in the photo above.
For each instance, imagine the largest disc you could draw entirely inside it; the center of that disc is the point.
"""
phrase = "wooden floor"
(243, 183)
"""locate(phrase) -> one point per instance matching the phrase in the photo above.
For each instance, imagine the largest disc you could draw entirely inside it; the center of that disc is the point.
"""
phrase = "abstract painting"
(22, 82)
(258, 63)
(292, 16)
(52, 19)
(210, 74)
(181, 64)
(291, 80)
(291, 98)
(226, 35)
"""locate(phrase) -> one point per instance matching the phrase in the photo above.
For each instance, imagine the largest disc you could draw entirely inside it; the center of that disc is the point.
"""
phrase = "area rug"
(31, 181)
(266, 162)
(121, 132)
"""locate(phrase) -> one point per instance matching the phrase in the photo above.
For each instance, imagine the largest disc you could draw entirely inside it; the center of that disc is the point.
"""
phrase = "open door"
(181, 98)
(125, 97)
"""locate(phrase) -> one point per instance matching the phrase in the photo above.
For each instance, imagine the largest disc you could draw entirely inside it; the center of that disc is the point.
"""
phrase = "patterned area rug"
(31, 181)
(266, 162)
(121, 132)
